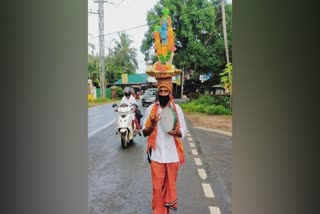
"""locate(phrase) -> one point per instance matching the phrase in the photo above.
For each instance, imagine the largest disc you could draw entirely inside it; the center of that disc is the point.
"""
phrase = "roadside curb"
(213, 130)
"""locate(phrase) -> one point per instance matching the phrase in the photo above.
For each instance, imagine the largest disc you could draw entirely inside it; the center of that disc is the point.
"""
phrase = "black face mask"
(163, 100)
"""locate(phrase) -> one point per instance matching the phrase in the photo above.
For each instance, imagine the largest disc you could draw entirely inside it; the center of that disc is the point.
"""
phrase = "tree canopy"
(197, 26)
(121, 58)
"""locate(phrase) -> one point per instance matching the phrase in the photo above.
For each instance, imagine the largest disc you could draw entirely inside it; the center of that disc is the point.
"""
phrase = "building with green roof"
(143, 81)
(133, 79)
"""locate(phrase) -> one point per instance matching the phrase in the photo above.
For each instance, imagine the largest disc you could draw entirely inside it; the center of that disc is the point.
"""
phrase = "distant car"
(149, 96)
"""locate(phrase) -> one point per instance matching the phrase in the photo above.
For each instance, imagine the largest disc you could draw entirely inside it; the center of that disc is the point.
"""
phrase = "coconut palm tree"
(224, 30)
(226, 46)
(93, 70)
(125, 56)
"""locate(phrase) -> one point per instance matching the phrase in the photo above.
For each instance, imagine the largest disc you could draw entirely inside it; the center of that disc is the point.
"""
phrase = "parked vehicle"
(124, 124)
(149, 96)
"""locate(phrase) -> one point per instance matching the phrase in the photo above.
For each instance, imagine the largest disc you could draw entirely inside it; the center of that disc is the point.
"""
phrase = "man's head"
(127, 92)
(164, 90)
(132, 91)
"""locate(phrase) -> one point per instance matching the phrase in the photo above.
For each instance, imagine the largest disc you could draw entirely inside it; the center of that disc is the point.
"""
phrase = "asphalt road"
(120, 181)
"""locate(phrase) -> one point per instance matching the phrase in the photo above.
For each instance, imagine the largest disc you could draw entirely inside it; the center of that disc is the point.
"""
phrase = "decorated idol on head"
(163, 70)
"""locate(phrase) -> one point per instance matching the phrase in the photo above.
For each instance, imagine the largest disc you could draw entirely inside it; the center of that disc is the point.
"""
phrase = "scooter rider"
(127, 98)
(137, 112)
(130, 100)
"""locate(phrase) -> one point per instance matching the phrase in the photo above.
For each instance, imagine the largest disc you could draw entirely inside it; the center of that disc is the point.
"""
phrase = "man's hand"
(148, 130)
(155, 120)
(175, 133)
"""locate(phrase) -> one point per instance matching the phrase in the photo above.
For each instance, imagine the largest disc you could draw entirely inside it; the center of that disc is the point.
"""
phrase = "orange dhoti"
(164, 193)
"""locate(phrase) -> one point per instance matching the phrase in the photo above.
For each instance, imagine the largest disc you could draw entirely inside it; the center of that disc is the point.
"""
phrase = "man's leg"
(133, 121)
(137, 123)
(170, 185)
(158, 176)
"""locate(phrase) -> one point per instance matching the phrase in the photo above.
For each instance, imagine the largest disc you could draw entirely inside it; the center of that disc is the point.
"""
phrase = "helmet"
(127, 91)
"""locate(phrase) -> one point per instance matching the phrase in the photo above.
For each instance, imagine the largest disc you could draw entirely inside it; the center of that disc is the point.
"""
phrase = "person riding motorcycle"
(129, 99)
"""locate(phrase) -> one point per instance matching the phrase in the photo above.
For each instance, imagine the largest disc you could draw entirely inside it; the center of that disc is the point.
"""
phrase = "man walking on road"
(165, 149)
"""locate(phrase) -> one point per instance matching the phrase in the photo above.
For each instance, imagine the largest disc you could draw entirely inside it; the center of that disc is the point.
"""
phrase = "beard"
(163, 100)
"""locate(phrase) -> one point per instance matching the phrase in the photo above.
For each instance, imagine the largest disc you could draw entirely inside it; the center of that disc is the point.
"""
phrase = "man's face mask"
(127, 94)
(163, 100)
(163, 94)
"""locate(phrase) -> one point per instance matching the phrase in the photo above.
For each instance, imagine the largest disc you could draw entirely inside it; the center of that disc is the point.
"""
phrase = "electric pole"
(101, 45)
(225, 40)
(224, 30)
(182, 80)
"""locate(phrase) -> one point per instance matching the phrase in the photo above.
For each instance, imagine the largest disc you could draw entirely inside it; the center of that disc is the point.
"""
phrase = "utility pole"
(224, 29)
(182, 80)
(225, 40)
(101, 45)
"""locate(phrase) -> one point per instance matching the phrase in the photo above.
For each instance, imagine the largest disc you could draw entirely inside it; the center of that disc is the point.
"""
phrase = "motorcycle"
(124, 124)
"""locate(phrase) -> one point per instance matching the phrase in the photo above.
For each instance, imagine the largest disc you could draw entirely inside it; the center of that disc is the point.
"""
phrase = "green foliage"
(198, 33)
(119, 92)
(121, 58)
(101, 100)
(226, 77)
(207, 100)
(218, 110)
(93, 69)
(204, 100)
(209, 105)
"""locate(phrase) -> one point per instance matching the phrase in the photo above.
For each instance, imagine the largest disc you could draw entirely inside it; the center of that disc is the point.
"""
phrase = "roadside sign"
(124, 78)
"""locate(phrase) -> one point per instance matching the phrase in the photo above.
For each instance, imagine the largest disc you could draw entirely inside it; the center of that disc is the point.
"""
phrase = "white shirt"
(129, 101)
(166, 151)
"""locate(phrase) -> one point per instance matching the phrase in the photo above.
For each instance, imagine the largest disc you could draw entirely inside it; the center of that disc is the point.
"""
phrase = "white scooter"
(124, 124)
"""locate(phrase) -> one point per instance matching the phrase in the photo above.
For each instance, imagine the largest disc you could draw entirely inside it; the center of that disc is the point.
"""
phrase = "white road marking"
(194, 151)
(214, 210)
(192, 145)
(189, 139)
(188, 134)
(202, 173)
(198, 161)
(207, 190)
(94, 132)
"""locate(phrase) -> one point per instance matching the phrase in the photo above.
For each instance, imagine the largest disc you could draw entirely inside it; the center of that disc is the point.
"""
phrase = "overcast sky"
(121, 15)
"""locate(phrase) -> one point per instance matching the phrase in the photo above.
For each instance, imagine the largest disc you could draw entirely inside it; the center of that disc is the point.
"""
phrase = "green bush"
(223, 101)
(211, 100)
(101, 100)
(201, 108)
(218, 110)
(119, 92)
(204, 100)
(189, 106)
(209, 105)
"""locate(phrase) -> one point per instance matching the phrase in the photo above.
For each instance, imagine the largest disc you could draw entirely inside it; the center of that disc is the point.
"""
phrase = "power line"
(119, 4)
(93, 37)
